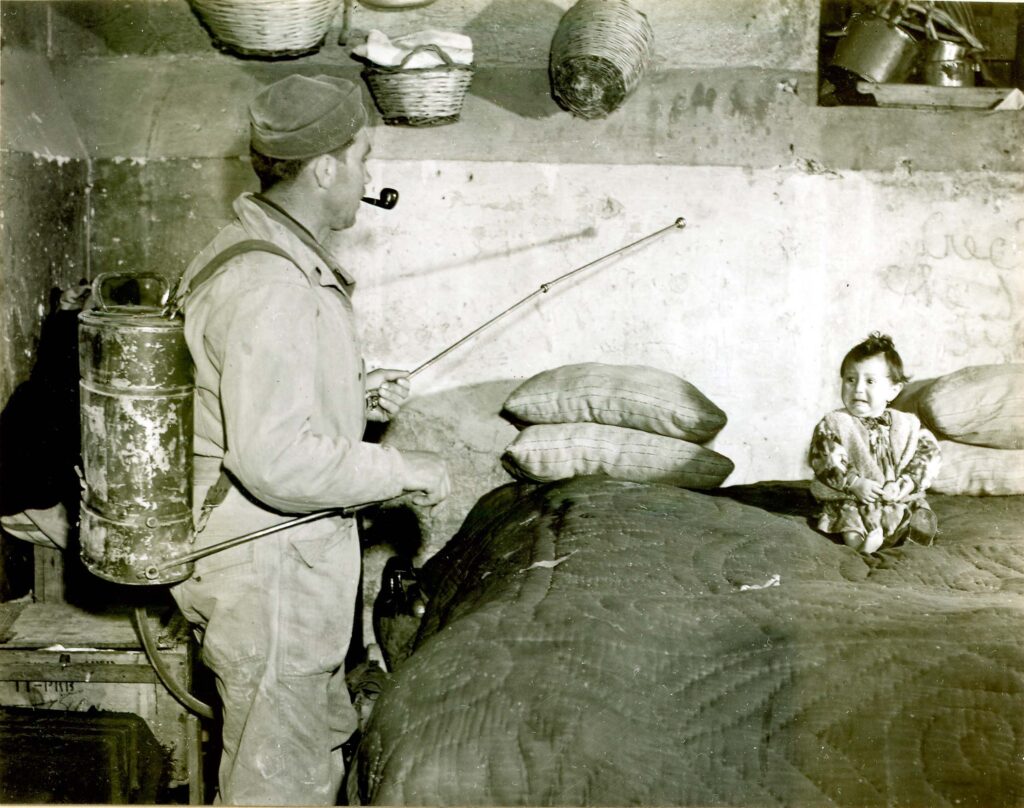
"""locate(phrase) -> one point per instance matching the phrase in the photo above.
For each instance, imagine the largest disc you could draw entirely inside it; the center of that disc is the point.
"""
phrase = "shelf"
(934, 97)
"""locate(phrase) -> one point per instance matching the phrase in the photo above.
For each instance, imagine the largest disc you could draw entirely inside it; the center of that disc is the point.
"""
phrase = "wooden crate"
(66, 756)
(59, 657)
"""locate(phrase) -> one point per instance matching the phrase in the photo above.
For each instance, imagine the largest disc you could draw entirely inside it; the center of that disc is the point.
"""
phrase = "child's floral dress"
(885, 448)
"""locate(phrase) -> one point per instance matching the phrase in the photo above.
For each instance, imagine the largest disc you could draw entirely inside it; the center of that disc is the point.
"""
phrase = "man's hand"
(426, 478)
(866, 490)
(386, 391)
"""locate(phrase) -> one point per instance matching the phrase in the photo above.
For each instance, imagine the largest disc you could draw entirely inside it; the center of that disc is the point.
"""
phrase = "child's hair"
(877, 344)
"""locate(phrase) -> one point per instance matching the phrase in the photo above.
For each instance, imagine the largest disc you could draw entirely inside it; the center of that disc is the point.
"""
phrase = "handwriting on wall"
(1004, 251)
(976, 278)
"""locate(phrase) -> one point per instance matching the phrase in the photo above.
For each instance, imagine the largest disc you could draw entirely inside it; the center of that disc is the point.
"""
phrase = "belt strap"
(215, 495)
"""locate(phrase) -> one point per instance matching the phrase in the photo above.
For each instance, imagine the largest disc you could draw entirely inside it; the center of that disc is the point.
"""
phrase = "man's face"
(350, 182)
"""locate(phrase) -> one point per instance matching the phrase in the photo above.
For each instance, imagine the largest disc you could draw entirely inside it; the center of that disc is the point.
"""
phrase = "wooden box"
(59, 657)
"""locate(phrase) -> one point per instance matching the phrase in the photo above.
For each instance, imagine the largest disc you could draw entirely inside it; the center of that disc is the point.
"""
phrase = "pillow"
(546, 452)
(979, 470)
(982, 405)
(632, 396)
(910, 396)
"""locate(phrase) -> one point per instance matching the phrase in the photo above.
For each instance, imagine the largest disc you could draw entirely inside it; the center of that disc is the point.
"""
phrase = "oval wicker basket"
(419, 96)
(269, 28)
(600, 51)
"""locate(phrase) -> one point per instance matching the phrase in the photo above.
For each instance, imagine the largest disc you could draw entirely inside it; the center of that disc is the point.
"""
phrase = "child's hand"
(866, 490)
(897, 490)
(892, 492)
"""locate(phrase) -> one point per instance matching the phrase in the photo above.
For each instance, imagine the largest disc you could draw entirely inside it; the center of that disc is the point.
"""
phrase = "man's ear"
(324, 167)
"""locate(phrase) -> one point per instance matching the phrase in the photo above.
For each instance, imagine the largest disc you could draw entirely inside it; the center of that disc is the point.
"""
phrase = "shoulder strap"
(220, 259)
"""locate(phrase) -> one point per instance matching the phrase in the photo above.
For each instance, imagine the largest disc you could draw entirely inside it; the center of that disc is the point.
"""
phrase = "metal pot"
(945, 64)
(876, 49)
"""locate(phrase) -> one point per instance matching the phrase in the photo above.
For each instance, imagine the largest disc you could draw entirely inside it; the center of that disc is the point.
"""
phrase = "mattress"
(597, 642)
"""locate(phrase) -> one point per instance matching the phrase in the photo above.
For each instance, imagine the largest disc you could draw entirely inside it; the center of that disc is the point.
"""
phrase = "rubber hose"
(186, 699)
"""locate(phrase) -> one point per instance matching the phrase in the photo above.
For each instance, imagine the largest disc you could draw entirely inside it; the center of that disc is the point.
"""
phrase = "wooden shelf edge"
(927, 95)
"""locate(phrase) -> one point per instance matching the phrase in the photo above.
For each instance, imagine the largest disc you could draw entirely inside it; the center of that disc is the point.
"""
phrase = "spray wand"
(544, 288)
(153, 571)
(678, 224)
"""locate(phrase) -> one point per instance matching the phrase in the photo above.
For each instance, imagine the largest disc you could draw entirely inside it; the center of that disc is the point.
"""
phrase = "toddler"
(872, 464)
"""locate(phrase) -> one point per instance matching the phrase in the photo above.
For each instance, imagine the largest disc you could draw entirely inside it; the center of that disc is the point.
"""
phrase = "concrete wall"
(43, 184)
(807, 227)
(43, 238)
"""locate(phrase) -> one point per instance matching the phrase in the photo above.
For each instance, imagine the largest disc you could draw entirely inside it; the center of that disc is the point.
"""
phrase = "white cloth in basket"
(386, 52)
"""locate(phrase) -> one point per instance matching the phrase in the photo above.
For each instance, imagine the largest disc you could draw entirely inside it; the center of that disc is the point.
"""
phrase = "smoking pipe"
(388, 199)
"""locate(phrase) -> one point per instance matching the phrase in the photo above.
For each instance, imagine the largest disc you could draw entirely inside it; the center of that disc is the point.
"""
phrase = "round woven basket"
(420, 96)
(270, 28)
(600, 51)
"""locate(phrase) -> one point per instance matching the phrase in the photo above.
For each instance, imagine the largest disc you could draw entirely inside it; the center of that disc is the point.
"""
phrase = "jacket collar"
(265, 219)
(885, 419)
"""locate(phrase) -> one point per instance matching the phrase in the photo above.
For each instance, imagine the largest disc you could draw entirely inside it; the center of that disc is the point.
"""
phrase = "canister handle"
(99, 297)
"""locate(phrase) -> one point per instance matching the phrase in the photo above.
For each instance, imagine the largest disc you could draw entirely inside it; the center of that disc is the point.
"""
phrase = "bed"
(602, 642)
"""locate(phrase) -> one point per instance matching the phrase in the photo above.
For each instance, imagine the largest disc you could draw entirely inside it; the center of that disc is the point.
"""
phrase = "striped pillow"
(547, 452)
(979, 470)
(631, 396)
(982, 405)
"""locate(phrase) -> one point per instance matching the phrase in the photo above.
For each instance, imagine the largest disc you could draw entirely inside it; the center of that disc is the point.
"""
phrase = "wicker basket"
(269, 28)
(419, 96)
(599, 53)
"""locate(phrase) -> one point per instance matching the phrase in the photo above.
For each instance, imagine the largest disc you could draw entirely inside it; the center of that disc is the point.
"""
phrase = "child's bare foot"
(854, 540)
(873, 541)
(864, 544)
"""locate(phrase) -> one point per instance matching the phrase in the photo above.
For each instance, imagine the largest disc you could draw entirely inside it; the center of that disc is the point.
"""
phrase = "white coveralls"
(280, 402)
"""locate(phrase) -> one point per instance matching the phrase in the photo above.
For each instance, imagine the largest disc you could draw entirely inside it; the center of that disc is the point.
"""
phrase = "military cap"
(302, 116)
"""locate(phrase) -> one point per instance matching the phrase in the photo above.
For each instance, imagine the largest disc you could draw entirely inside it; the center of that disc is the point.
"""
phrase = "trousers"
(274, 618)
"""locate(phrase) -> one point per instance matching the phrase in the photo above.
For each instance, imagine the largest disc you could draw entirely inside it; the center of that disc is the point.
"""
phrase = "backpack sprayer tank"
(136, 425)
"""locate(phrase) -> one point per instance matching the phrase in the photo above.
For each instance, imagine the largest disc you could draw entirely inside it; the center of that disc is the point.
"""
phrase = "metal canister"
(136, 423)
(946, 64)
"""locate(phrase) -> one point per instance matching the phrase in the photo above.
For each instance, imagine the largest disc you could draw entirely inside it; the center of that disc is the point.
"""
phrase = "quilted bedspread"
(595, 642)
